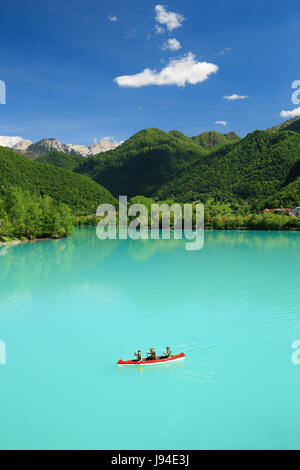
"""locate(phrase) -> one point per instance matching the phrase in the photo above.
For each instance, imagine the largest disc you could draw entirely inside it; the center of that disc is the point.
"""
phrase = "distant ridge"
(209, 167)
(211, 140)
(44, 146)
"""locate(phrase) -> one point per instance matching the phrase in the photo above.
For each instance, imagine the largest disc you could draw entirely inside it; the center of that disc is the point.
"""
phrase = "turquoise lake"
(70, 309)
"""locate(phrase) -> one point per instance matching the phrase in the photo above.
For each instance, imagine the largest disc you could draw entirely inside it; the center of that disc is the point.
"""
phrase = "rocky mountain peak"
(104, 145)
(45, 146)
(22, 145)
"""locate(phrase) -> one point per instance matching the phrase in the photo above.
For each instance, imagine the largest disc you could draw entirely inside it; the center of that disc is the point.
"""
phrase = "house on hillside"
(282, 211)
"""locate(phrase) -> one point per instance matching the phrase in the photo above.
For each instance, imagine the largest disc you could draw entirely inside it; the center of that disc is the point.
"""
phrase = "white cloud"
(178, 72)
(235, 97)
(6, 141)
(159, 29)
(171, 19)
(222, 123)
(290, 114)
(172, 44)
(112, 18)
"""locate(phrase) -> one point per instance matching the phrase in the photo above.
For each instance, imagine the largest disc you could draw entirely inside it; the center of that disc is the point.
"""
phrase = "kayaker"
(168, 352)
(151, 355)
(138, 355)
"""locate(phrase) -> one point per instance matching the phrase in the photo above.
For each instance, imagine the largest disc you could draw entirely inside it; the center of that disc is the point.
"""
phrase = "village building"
(282, 211)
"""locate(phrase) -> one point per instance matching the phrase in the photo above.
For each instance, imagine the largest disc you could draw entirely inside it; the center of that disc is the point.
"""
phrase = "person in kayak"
(168, 352)
(151, 355)
(138, 355)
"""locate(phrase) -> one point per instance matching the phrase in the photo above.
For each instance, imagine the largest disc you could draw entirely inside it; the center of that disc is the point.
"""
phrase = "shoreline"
(13, 242)
(35, 240)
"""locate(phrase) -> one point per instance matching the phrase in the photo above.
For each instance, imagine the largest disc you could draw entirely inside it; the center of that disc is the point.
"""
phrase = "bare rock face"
(103, 145)
(22, 145)
(44, 146)
(78, 150)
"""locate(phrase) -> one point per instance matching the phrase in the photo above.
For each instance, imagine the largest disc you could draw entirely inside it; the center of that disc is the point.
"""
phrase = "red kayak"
(148, 362)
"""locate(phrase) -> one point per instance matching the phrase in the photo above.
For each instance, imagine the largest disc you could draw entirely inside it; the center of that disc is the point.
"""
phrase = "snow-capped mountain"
(103, 145)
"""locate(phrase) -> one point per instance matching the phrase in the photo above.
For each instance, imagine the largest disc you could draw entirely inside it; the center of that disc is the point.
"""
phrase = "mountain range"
(44, 146)
(214, 166)
(253, 169)
(260, 170)
(149, 159)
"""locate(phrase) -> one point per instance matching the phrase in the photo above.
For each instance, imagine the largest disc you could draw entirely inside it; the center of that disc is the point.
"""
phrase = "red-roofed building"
(284, 211)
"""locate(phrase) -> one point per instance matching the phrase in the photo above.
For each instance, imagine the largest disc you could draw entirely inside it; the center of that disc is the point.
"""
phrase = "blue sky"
(60, 59)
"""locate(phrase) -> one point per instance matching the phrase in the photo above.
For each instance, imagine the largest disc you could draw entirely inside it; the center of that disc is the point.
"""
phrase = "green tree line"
(28, 216)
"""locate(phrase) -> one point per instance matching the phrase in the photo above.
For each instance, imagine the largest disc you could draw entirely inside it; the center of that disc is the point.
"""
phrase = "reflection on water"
(3, 251)
(84, 249)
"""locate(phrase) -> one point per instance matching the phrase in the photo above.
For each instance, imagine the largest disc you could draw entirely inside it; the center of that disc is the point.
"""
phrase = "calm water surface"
(69, 309)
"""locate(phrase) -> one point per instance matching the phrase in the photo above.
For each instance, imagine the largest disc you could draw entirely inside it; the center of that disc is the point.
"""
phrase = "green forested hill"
(143, 163)
(255, 168)
(289, 196)
(213, 140)
(170, 165)
(62, 160)
(79, 192)
(290, 125)
(208, 141)
(149, 159)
